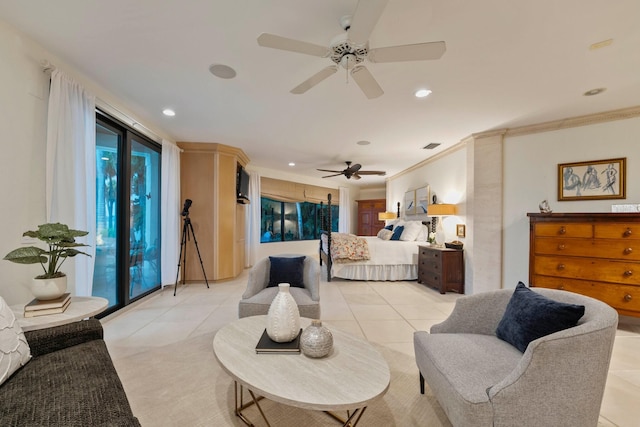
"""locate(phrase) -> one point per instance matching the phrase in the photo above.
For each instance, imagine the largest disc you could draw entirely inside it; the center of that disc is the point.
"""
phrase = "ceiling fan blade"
(355, 176)
(381, 173)
(283, 43)
(335, 174)
(365, 19)
(314, 80)
(367, 83)
(408, 52)
(328, 170)
(355, 168)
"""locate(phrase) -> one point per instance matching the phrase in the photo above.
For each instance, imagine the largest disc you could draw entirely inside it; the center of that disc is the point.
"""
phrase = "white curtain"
(344, 211)
(170, 212)
(71, 172)
(252, 241)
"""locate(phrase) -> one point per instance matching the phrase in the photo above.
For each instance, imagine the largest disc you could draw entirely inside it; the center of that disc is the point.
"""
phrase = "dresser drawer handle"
(561, 247)
(561, 266)
(627, 251)
(561, 287)
(562, 230)
(627, 297)
(628, 273)
(627, 232)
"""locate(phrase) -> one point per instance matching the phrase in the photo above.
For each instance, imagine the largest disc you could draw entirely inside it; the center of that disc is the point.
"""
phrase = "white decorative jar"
(46, 289)
(283, 318)
(316, 340)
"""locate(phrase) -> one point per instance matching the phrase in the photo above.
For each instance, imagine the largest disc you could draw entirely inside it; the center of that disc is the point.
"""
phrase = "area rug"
(182, 384)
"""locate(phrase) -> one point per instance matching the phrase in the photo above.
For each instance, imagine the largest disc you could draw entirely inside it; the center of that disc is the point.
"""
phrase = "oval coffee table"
(353, 375)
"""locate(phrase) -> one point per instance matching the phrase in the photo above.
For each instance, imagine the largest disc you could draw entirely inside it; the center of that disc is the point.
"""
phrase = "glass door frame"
(123, 196)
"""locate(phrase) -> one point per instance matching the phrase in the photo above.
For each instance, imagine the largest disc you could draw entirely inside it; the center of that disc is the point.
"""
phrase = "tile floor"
(382, 312)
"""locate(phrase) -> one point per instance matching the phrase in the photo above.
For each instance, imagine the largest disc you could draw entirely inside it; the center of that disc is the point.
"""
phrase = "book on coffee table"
(37, 304)
(267, 346)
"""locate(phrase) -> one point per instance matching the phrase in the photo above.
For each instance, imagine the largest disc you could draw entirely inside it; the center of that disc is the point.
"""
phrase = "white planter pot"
(283, 319)
(46, 289)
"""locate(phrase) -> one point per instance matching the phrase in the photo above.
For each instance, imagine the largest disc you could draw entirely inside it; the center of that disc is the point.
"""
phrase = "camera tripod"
(187, 229)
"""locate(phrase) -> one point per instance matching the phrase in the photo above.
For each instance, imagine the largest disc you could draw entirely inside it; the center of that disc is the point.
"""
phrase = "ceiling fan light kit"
(351, 48)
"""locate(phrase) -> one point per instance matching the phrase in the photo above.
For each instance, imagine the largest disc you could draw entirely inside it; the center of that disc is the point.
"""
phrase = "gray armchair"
(480, 380)
(258, 297)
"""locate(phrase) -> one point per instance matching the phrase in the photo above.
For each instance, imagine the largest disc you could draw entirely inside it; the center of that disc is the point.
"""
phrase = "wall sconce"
(441, 210)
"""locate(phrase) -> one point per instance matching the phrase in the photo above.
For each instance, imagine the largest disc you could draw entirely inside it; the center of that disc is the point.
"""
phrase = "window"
(127, 213)
(288, 221)
(291, 211)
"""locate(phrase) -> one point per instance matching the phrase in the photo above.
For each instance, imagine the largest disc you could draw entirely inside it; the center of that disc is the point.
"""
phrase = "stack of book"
(267, 346)
(44, 307)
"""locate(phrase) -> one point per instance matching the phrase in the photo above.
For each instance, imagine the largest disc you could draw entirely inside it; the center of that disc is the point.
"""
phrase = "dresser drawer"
(625, 298)
(604, 248)
(588, 268)
(626, 231)
(564, 229)
(430, 254)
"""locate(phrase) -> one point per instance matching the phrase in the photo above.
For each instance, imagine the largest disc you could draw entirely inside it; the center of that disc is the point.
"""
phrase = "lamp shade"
(442, 209)
(383, 216)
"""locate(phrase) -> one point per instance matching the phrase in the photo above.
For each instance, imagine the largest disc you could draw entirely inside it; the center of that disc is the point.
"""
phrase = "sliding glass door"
(128, 214)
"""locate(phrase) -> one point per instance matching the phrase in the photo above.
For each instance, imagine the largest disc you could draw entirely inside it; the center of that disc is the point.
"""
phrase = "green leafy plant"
(62, 243)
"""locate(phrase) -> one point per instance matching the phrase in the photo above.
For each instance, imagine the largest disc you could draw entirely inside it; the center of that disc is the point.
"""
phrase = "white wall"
(446, 177)
(24, 89)
(530, 176)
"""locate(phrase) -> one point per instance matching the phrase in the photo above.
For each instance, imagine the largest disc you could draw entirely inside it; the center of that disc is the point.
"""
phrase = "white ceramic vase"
(46, 289)
(283, 318)
(316, 340)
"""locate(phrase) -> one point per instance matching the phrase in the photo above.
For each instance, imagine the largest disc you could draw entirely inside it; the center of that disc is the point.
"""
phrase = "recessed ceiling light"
(593, 92)
(291, 164)
(168, 112)
(422, 93)
(363, 142)
(222, 71)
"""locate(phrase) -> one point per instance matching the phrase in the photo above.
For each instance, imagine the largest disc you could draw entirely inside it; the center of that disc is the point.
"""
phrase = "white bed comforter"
(389, 260)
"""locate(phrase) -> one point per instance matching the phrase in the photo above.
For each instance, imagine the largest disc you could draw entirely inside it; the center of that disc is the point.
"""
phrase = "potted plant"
(61, 241)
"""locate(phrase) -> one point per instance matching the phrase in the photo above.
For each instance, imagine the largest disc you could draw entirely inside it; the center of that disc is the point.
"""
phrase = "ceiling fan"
(351, 48)
(352, 172)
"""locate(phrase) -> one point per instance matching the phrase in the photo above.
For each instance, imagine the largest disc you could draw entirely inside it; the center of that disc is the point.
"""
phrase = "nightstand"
(441, 268)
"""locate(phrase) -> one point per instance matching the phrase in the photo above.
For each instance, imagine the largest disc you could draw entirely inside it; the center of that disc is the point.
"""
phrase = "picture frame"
(461, 230)
(422, 200)
(410, 202)
(593, 180)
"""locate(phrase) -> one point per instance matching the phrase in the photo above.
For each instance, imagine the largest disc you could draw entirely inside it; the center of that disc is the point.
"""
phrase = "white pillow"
(411, 231)
(14, 349)
(385, 234)
(423, 236)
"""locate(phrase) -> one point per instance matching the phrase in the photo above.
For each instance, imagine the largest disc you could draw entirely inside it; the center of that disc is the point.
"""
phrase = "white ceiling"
(508, 63)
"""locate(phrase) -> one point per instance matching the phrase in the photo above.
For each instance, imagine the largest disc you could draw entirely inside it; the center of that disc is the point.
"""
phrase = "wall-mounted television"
(242, 185)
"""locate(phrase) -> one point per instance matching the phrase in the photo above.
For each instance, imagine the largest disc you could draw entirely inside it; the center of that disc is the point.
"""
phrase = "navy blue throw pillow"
(530, 316)
(397, 232)
(389, 227)
(286, 270)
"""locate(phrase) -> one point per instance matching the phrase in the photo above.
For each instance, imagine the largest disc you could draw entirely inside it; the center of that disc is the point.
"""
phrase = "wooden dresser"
(594, 254)
(368, 224)
(441, 268)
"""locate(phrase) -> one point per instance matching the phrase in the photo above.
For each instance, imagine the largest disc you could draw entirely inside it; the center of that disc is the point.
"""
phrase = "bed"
(371, 257)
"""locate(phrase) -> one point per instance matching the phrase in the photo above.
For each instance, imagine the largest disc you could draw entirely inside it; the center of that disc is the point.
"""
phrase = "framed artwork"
(422, 200)
(592, 180)
(410, 202)
(461, 230)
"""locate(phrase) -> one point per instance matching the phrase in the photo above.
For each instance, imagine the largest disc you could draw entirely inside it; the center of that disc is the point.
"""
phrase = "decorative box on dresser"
(368, 224)
(441, 268)
(594, 254)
